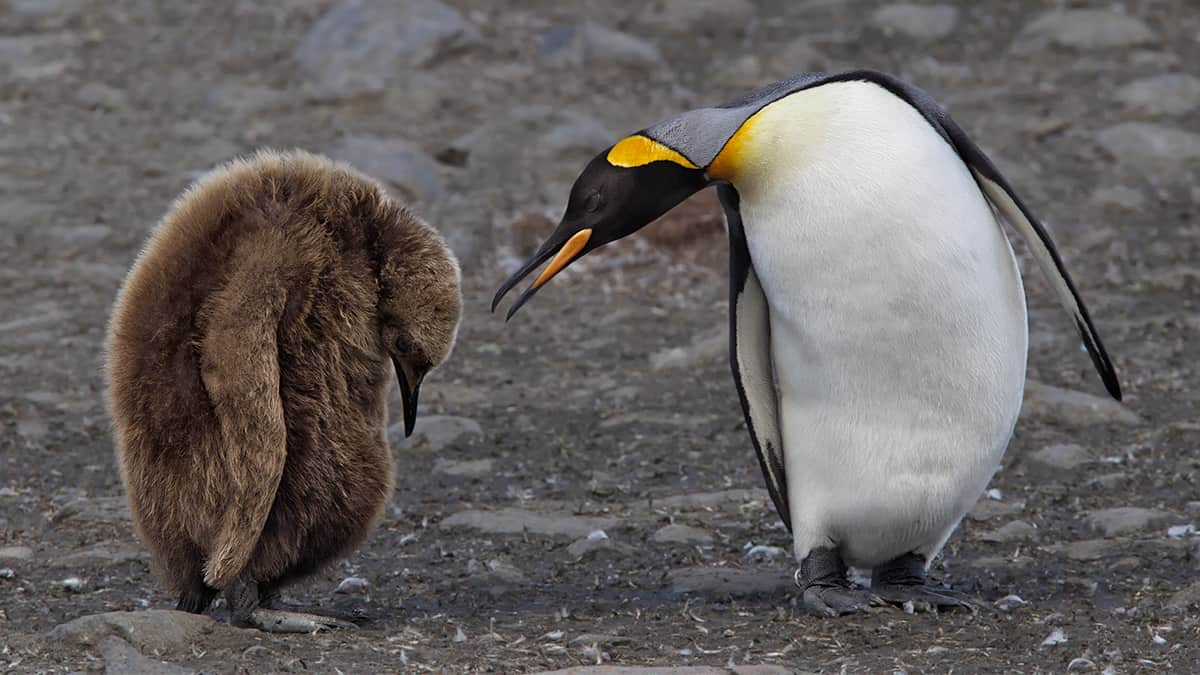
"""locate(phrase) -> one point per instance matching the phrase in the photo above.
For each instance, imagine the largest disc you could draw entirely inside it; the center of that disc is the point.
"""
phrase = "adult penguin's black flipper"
(1005, 200)
(1001, 195)
(750, 356)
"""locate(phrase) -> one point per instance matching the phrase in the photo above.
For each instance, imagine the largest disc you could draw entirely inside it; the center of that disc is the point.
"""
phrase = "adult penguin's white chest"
(898, 325)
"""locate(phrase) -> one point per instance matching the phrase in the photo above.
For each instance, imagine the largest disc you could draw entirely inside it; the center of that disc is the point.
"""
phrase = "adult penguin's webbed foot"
(825, 589)
(903, 581)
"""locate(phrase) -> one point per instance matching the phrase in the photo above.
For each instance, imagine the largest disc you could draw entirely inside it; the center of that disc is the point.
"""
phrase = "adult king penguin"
(878, 325)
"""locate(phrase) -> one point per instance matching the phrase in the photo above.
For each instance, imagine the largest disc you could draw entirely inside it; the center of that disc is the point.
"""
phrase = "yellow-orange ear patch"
(638, 150)
(727, 162)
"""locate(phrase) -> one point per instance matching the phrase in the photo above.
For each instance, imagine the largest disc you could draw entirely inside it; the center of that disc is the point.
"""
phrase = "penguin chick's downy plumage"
(248, 360)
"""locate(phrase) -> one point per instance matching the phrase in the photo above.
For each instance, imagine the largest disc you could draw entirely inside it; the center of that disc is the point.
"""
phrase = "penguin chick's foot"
(903, 582)
(245, 610)
(196, 599)
(273, 600)
(825, 589)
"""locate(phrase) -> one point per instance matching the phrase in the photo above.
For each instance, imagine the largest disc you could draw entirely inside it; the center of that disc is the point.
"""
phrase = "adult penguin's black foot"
(903, 581)
(825, 589)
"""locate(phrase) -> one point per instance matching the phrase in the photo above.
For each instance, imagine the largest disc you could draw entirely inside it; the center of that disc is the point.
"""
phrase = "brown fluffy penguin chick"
(249, 356)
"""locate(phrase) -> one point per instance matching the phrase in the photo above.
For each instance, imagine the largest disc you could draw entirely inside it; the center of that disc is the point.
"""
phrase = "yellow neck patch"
(730, 159)
(638, 150)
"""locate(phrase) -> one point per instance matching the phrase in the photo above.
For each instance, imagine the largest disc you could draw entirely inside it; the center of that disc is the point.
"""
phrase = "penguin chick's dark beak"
(410, 388)
(569, 251)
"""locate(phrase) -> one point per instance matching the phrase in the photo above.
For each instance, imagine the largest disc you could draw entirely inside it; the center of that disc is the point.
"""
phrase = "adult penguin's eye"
(401, 345)
(594, 202)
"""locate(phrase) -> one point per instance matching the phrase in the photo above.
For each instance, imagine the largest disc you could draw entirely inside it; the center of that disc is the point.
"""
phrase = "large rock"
(705, 348)
(922, 22)
(151, 630)
(94, 510)
(987, 509)
(1170, 94)
(1087, 29)
(497, 578)
(472, 468)
(1017, 530)
(681, 534)
(121, 657)
(1085, 550)
(1150, 147)
(707, 500)
(1185, 599)
(43, 9)
(573, 132)
(1058, 461)
(1121, 196)
(359, 46)
(35, 56)
(104, 554)
(1127, 520)
(590, 44)
(720, 582)
(100, 95)
(1074, 408)
(393, 161)
(595, 542)
(8, 553)
(434, 432)
(517, 521)
(698, 17)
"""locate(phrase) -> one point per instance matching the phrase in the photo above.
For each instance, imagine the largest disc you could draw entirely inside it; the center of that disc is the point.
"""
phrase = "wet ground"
(607, 407)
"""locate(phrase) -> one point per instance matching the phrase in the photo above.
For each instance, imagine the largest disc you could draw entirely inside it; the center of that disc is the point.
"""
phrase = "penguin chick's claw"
(356, 616)
(279, 621)
(247, 610)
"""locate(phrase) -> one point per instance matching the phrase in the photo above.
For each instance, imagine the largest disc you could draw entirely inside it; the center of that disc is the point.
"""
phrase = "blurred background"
(610, 396)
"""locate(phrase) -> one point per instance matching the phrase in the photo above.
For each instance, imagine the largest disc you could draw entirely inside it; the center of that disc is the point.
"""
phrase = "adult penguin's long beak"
(563, 254)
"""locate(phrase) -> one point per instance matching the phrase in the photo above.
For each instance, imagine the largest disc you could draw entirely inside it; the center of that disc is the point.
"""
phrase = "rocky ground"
(582, 490)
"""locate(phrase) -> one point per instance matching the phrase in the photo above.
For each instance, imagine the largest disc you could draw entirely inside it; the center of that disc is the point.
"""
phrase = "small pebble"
(1080, 663)
(764, 551)
(553, 635)
(1056, 637)
(597, 534)
(995, 493)
(1009, 602)
(411, 537)
(7, 573)
(1181, 531)
(459, 635)
(73, 584)
(1159, 640)
(352, 585)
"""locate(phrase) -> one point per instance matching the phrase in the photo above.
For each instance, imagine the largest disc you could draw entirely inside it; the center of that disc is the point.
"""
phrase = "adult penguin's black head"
(621, 190)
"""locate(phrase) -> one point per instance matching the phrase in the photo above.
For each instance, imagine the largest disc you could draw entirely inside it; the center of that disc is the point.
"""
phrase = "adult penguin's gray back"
(249, 355)
(879, 337)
